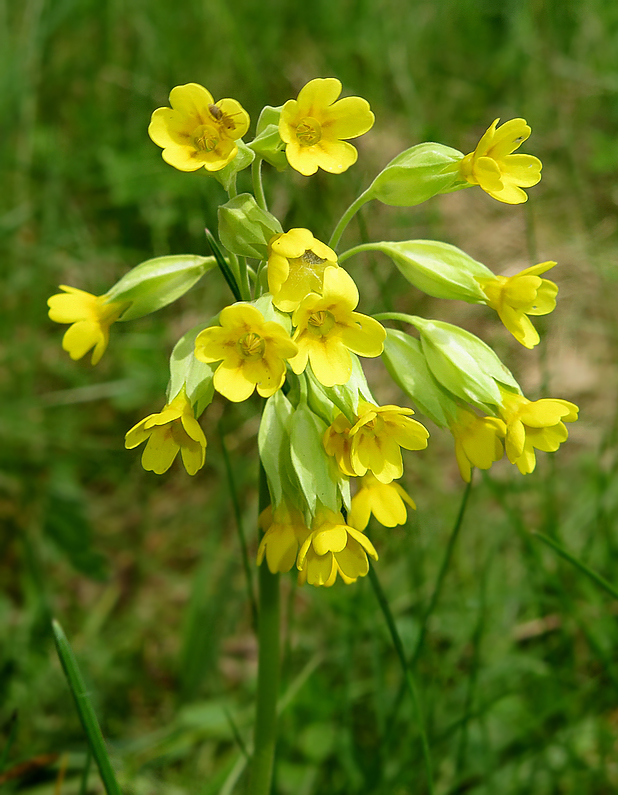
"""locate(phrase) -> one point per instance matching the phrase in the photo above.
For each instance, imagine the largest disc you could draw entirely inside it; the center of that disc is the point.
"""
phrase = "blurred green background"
(517, 675)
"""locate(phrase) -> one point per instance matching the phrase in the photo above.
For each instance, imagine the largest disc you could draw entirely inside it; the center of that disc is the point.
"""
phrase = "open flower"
(534, 424)
(478, 441)
(285, 529)
(328, 328)
(173, 429)
(296, 264)
(197, 131)
(516, 297)
(337, 443)
(496, 169)
(90, 316)
(332, 548)
(386, 501)
(314, 126)
(253, 352)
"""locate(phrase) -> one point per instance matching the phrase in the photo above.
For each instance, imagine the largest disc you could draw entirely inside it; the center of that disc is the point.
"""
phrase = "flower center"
(205, 138)
(251, 346)
(309, 131)
(320, 323)
(310, 258)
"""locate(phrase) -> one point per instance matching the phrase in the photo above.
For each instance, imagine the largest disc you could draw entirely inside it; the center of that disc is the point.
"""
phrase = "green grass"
(516, 676)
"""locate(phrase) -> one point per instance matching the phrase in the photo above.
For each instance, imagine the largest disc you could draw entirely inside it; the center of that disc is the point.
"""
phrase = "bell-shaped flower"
(337, 443)
(90, 316)
(534, 424)
(386, 501)
(328, 328)
(315, 127)
(196, 131)
(333, 547)
(173, 429)
(285, 530)
(478, 441)
(296, 264)
(252, 351)
(516, 297)
(495, 168)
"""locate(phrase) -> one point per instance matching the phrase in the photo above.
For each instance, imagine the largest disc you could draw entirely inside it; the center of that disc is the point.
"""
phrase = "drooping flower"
(284, 530)
(333, 547)
(90, 316)
(296, 264)
(495, 168)
(328, 328)
(253, 352)
(534, 424)
(386, 501)
(478, 441)
(516, 297)
(314, 126)
(378, 436)
(196, 131)
(337, 443)
(173, 429)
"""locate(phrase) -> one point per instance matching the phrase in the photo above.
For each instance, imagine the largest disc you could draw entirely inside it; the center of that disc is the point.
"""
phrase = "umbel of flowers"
(296, 333)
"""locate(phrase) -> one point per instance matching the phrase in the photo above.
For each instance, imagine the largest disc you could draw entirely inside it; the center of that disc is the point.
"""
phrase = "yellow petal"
(160, 451)
(347, 118)
(316, 95)
(330, 361)
(235, 120)
(524, 170)
(232, 384)
(169, 128)
(334, 156)
(192, 100)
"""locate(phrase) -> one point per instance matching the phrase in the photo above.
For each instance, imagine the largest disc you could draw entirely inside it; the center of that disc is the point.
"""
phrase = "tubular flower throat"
(253, 352)
(332, 548)
(478, 441)
(386, 501)
(377, 439)
(196, 131)
(296, 264)
(534, 424)
(516, 297)
(285, 529)
(495, 168)
(314, 126)
(173, 429)
(328, 328)
(90, 316)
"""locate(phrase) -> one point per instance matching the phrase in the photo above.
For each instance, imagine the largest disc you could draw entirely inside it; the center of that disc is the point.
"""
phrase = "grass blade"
(223, 266)
(85, 710)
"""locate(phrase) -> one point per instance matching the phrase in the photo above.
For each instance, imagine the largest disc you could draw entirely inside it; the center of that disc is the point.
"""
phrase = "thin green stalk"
(357, 250)
(347, 217)
(265, 732)
(258, 185)
(243, 269)
(230, 277)
(233, 191)
(407, 671)
(85, 710)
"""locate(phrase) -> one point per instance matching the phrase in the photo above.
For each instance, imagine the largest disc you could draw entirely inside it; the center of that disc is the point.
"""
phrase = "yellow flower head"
(328, 328)
(90, 315)
(333, 547)
(296, 264)
(386, 501)
(496, 169)
(197, 131)
(252, 352)
(285, 529)
(534, 424)
(516, 297)
(337, 443)
(173, 429)
(314, 126)
(478, 441)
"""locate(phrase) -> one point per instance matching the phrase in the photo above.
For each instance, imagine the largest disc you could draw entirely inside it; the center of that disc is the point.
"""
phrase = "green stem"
(407, 670)
(347, 217)
(268, 671)
(357, 249)
(245, 289)
(258, 185)
(233, 191)
(400, 316)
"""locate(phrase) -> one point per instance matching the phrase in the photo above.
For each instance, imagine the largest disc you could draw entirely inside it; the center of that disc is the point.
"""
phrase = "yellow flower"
(197, 131)
(477, 441)
(377, 439)
(386, 501)
(516, 297)
(499, 172)
(90, 315)
(327, 329)
(534, 424)
(253, 351)
(296, 264)
(173, 429)
(337, 443)
(314, 127)
(285, 529)
(333, 547)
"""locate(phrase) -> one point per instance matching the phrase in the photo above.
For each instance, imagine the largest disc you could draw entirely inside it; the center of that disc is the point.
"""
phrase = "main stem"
(347, 217)
(268, 670)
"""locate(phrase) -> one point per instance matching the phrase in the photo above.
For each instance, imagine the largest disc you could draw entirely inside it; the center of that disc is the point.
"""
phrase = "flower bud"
(189, 373)
(267, 143)
(273, 442)
(245, 229)
(227, 175)
(314, 469)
